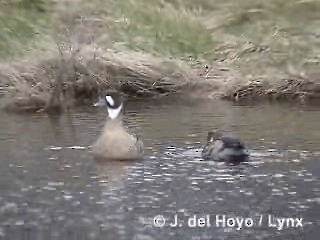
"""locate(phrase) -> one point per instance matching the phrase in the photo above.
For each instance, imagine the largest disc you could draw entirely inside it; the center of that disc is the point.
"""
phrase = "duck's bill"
(100, 103)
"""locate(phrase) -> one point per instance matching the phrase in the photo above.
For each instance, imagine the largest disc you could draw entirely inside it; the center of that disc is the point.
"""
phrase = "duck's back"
(226, 149)
(230, 142)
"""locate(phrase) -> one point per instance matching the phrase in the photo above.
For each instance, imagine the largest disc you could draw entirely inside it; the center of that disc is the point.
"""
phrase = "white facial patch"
(113, 113)
(110, 100)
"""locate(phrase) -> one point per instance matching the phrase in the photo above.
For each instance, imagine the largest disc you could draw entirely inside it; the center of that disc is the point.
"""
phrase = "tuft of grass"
(161, 28)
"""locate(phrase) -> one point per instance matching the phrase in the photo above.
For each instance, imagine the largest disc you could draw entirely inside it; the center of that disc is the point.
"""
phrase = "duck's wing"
(229, 142)
(211, 150)
(137, 142)
(207, 150)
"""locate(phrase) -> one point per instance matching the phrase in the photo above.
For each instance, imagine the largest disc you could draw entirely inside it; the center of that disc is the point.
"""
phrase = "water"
(51, 188)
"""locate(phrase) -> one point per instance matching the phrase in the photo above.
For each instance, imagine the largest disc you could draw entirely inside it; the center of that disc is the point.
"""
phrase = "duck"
(115, 141)
(224, 148)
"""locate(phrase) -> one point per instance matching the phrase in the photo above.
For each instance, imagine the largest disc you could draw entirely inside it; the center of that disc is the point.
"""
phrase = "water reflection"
(51, 188)
(112, 171)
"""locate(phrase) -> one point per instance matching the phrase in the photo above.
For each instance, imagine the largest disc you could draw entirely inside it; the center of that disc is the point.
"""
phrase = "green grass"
(252, 39)
(22, 28)
(255, 37)
(288, 29)
(251, 36)
(160, 28)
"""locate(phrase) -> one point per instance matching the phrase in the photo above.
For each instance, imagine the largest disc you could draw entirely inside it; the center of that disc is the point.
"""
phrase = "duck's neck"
(114, 112)
(115, 120)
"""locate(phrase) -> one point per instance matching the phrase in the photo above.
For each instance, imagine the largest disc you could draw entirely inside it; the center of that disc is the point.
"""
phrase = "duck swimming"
(115, 142)
(222, 148)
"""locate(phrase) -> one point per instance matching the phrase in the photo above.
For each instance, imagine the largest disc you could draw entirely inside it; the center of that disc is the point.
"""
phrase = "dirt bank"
(65, 79)
(297, 89)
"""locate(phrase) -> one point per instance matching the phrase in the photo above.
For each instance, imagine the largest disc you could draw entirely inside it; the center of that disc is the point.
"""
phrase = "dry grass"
(76, 77)
(146, 48)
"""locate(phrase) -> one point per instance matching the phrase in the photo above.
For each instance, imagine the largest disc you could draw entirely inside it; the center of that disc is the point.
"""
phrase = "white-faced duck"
(115, 142)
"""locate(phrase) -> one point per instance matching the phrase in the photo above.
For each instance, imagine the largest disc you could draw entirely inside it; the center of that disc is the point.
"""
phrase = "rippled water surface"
(51, 188)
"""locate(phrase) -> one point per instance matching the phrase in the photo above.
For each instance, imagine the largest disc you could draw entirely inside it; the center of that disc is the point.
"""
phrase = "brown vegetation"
(303, 90)
(66, 79)
(60, 81)
(212, 49)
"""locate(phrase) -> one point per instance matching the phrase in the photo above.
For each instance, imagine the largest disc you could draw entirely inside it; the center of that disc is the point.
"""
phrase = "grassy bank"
(224, 49)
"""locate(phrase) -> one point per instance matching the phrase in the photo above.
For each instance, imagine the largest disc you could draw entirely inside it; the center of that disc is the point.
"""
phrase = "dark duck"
(224, 148)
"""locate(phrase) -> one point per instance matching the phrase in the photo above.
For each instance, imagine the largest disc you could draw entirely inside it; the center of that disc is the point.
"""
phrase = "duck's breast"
(116, 143)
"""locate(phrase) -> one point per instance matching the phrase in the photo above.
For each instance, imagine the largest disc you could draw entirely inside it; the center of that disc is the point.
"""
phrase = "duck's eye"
(110, 100)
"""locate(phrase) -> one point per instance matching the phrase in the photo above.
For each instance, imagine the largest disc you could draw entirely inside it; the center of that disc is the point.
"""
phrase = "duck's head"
(213, 136)
(112, 100)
